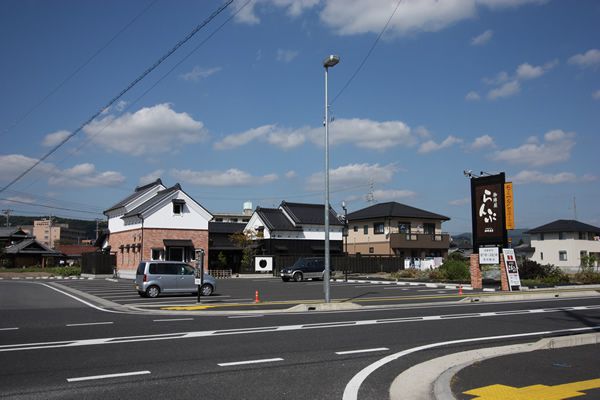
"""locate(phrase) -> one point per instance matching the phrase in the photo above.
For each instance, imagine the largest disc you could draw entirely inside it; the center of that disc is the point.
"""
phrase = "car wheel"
(285, 279)
(297, 276)
(206, 289)
(152, 291)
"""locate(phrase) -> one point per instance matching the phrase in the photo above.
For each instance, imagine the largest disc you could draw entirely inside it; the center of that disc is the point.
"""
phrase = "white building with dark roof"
(563, 242)
(156, 223)
(295, 229)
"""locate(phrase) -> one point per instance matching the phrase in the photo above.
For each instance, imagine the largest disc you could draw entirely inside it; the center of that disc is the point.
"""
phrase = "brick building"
(156, 223)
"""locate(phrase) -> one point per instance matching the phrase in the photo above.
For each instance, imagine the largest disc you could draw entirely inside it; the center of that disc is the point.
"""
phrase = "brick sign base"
(476, 278)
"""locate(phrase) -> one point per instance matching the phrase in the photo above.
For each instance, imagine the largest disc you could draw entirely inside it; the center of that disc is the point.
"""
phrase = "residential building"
(564, 242)
(51, 234)
(19, 249)
(295, 229)
(397, 229)
(221, 246)
(235, 218)
(156, 223)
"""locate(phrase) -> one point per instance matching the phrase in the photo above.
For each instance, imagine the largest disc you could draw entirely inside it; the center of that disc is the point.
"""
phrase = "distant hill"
(516, 236)
(89, 227)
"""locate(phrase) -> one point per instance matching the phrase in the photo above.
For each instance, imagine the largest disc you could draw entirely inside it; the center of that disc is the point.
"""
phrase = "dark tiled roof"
(565, 225)
(139, 191)
(225, 227)
(7, 232)
(30, 246)
(394, 209)
(275, 219)
(309, 214)
(160, 196)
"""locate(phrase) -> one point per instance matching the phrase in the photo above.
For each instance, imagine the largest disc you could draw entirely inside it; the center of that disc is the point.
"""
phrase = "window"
(428, 228)
(404, 227)
(562, 255)
(156, 254)
(176, 208)
(366, 229)
(355, 227)
(378, 228)
(541, 236)
(371, 250)
(561, 236)
(541, 255)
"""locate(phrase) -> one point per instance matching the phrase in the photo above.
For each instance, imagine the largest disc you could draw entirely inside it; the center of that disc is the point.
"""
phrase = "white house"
(564, 242)
(156, 223)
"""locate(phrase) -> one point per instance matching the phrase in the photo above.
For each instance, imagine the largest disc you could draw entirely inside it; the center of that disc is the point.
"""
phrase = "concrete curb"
(431, 379)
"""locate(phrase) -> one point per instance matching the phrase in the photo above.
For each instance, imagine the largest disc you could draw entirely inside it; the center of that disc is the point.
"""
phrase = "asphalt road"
(54, 346)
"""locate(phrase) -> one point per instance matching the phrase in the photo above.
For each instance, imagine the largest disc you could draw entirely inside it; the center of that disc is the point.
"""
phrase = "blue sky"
(452, 85)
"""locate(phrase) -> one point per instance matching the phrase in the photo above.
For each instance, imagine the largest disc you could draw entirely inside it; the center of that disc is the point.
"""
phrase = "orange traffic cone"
(256, 299)
(460, 290)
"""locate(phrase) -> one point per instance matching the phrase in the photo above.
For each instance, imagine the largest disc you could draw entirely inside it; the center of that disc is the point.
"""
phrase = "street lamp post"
(329, 62)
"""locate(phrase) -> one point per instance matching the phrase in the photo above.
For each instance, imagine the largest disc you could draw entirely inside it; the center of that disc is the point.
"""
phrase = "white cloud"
(506, 90)
(482, 142)
(460, 202)
(590, 59)
(482, 39)
(198, 73)
(17, 199)
(150, 130)
(556, 148)
(392, 195)
(151, 177)
(291, 174)
(15, 164)
(596, 95)
(53, 139)
(85, 175)
(498, 4)
(430, 145)
(507, 86)
(352, 175)
(363, 133)
(230, 177)
(286, 56)
(121, 104)
(473, 96)
(524, 177)
(248, 15)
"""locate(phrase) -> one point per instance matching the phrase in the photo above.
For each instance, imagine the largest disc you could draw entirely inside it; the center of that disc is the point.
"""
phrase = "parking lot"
(244, 292)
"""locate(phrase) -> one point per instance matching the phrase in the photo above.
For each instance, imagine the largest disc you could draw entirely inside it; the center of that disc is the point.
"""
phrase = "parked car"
(155, 277)
(304, 268)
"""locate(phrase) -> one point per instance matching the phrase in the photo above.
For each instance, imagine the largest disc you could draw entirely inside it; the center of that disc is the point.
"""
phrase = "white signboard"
(263, 264)
(512, 270)
(197, 281)
(489, 255)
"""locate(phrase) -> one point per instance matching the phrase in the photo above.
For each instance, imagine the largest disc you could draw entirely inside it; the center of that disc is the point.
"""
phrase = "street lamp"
(329, 62)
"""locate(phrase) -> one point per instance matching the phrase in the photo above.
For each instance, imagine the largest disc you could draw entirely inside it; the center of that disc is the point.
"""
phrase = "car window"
(140, 269)
(186, 270)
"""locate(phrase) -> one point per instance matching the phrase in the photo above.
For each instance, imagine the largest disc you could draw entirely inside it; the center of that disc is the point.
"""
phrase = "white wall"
(550, 247)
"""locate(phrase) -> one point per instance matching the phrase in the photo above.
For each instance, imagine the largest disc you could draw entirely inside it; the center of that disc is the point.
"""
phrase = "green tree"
(244, 240)
(221, 260)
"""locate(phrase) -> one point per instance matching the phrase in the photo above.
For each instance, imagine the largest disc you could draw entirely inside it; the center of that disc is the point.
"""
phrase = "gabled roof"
(394, 209)
(275, 219)
(76, 250)
(139, 191)
(160, 196)
(565, 225)
(30, 246)
(309, 214)
(8, 232)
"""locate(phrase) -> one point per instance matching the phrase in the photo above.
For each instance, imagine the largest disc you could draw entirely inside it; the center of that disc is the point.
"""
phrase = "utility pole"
(97, 228)
(7, 215)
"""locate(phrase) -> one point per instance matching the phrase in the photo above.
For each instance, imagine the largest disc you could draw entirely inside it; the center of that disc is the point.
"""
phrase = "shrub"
(587, 277)
(66, 271)
(438, 274)
(455, 270)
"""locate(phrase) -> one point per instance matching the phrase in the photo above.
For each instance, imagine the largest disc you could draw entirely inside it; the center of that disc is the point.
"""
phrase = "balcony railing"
(420, 240)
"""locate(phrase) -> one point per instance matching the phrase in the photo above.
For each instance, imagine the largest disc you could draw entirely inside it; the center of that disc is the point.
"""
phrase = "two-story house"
(295, 229)
(396, 229)
(156, 223)
(563, 243)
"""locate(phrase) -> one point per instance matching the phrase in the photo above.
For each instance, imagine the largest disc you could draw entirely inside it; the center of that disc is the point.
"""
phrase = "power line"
(117, 97)
(50, 207)
(76, 71)
(368, 54)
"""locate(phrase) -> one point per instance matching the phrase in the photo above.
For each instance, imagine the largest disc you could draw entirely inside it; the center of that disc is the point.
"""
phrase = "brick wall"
(142, 241)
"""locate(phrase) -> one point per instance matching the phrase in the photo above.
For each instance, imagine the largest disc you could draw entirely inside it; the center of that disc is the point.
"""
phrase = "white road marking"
(342, 353)
(173, 319)
(8, 329)
(353, 386)
(81, 300)
(270, 329)
(92, 323)
(245, 316)
(266, 360)
(90, 378)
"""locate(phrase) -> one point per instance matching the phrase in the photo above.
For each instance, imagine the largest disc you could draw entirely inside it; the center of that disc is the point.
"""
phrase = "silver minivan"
(155, 277)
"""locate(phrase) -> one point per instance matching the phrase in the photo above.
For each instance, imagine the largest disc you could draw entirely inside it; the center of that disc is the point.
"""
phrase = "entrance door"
(175, 254)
